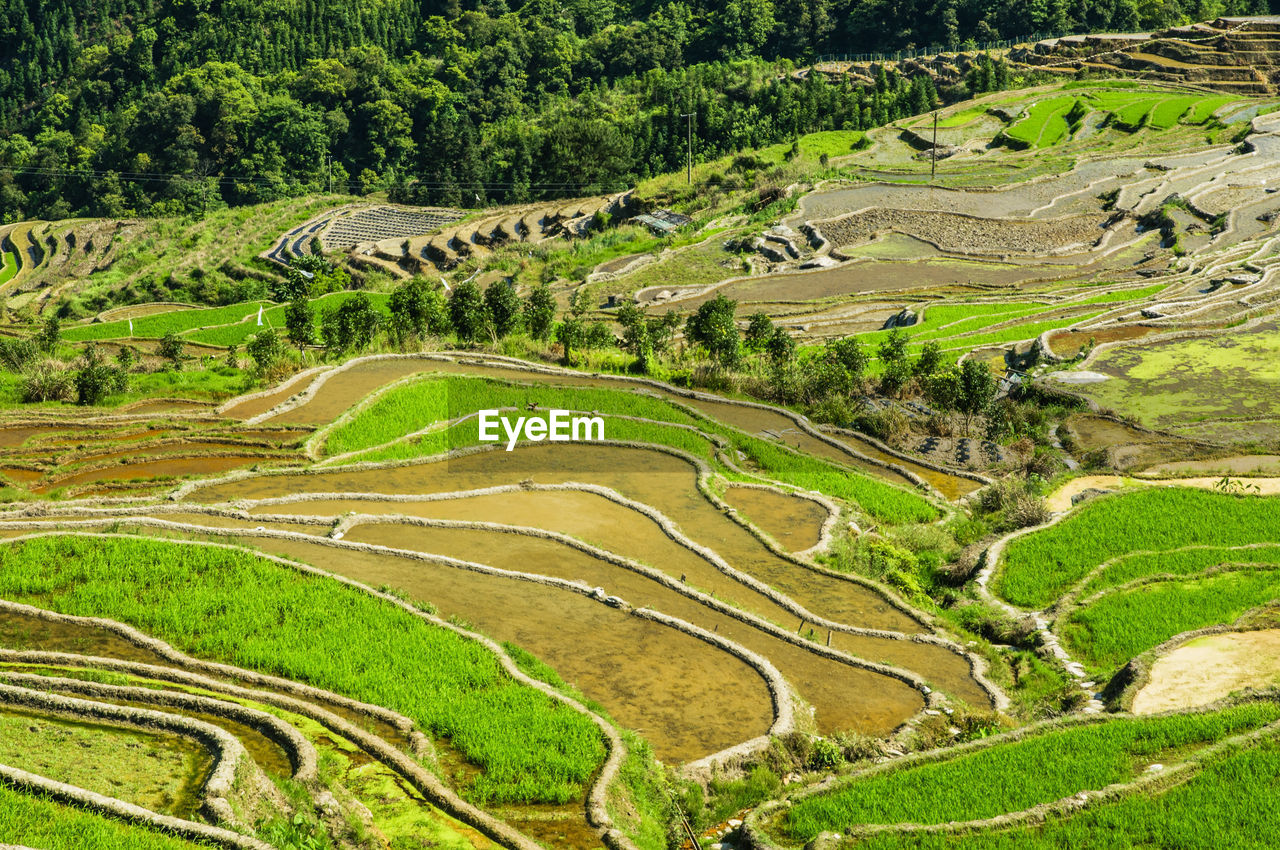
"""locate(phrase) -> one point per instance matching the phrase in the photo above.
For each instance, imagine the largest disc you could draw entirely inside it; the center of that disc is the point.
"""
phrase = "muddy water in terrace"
(689, 698)
(586, 516)
(16, 436)
(170, 407)
(254, 407)
(344, 389)
(104, 437)
(826, 684)
(667, 483)
(793, 521)
(167, 467)
(27, 632)
(623, 532)
(19, 475)
(192, 447)
(950, 486)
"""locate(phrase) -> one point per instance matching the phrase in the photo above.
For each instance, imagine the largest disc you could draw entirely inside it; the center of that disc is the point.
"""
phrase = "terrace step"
(375, 263)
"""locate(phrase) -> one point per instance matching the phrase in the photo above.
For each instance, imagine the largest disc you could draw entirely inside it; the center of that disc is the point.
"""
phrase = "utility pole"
(689, 159)
(328, 159)
(933, 154)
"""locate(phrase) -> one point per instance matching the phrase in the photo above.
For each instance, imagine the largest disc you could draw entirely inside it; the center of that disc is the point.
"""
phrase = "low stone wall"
(228, 753)
(301, 754)
(61, 791)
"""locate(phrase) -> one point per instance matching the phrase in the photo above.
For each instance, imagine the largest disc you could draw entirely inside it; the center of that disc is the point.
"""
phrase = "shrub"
(95, 379)
(265, 348)
(825, 755)
(17, 355)
(170, 349)
(1027, 510)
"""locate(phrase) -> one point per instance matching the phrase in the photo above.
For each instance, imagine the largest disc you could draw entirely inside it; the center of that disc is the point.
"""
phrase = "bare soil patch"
(1209, 668)
(1235, 465)
(966, 234)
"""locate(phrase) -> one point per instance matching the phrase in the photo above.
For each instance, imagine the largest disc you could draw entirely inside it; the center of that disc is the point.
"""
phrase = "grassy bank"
(32, 821)
(1186, 562)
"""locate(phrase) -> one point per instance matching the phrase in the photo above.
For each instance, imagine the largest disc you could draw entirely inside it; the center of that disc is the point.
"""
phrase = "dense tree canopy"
(119, 107)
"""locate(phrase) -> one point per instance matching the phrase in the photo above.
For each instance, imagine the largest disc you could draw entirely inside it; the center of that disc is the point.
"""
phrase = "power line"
(231, 180)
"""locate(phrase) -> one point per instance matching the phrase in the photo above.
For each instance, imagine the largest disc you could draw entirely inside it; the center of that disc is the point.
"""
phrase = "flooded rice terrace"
(682, 687)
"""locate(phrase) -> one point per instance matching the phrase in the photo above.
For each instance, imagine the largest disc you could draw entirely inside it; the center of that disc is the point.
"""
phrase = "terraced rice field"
(329, 613)
(564, 560)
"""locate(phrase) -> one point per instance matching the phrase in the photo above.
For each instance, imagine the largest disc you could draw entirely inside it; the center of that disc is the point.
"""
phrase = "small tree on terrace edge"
(570, 333)
(467, 311)
(646, 337)
(759, 332)
(351, 326)
(170, 349)
(417, 309)
(968, 390)
(50, 334)
(300, 322)
(893, 355)
(540, 312)
(264, 349)
(96, 379)
(503, 305)
(713, 327)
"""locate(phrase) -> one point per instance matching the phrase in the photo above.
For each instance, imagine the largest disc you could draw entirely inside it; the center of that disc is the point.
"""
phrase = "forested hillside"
(123, 107)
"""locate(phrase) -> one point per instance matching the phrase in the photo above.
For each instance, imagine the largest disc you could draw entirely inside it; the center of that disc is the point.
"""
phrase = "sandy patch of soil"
(1060, 500)
(1209, 668)
(966, 234)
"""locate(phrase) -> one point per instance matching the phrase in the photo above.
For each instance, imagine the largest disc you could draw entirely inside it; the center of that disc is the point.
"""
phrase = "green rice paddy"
(1009, 777)
(238, 608)
(1040, 566)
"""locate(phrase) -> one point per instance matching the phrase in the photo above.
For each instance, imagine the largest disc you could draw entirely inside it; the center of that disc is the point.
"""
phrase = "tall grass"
(1107, 633)
(31, 821)
(245, 610)
(1040, 566)
(414, 406)
(1015, 776)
